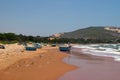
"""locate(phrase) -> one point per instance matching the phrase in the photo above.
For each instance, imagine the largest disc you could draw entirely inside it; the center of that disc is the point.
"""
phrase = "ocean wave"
(107, 50)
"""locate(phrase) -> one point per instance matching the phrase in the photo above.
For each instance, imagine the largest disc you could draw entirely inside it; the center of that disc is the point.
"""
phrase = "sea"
(94, 62)
(105, 50)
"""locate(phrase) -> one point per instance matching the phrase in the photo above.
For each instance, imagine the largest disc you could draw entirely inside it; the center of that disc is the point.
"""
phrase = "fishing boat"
(64, 48)
(38, 45)
(53, 45)
(30, 48)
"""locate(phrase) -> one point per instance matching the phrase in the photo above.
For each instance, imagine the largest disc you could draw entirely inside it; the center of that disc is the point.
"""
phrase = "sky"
(47, 17)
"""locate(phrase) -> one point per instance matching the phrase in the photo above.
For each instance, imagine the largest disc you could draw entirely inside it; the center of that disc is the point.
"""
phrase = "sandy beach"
(48, 63)
(43, 64)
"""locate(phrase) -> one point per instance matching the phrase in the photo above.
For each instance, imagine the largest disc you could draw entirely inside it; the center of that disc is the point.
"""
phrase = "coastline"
(91, 67)
(48, 63)
(44, 64)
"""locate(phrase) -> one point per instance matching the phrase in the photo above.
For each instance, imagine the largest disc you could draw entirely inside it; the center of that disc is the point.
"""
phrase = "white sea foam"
(107, 50)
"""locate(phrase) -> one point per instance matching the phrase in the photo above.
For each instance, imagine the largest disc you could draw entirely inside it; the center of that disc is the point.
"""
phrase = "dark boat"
(30, 48)
(2, 47)
(64, 48)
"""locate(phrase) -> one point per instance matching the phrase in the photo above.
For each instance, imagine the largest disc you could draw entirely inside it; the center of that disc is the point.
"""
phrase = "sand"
(13, 53)
(43, 64)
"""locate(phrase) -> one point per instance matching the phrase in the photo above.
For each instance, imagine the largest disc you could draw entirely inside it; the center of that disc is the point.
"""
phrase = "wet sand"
(92, 67)
(46, 65)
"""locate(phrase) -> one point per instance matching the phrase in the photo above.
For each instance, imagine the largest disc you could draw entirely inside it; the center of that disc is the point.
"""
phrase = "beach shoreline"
(48, 63)
(91, 67)
(43, 64)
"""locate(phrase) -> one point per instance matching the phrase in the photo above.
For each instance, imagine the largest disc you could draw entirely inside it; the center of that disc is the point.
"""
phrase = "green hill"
(97, 32)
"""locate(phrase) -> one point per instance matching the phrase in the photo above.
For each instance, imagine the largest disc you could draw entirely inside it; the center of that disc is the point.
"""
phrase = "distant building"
(114, 29)
(51, 38)
(57, 35)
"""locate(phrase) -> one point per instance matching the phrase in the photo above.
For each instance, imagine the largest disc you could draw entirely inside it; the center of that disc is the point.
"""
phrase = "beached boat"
(38, 45)
(53, 45)
(64, 48)
(30, 48)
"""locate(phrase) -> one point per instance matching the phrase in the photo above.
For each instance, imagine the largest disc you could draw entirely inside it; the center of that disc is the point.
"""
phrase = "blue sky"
(46, 17)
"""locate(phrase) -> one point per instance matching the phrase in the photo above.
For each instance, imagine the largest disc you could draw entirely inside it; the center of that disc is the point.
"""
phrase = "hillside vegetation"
(91, 33)
(86, 35)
